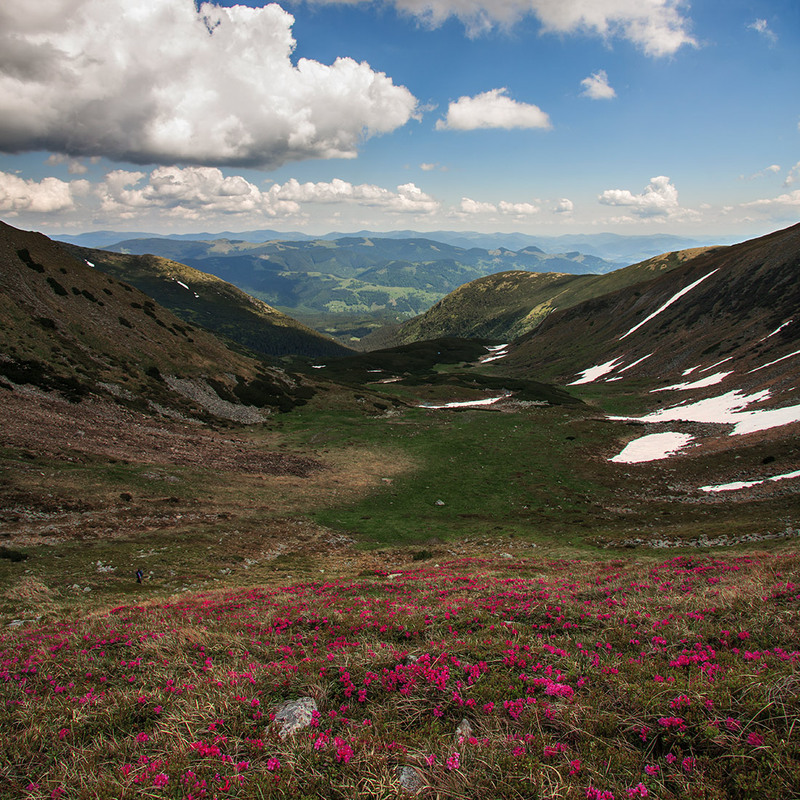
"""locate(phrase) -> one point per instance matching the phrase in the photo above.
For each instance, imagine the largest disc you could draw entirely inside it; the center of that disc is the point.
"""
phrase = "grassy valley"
(467, 600)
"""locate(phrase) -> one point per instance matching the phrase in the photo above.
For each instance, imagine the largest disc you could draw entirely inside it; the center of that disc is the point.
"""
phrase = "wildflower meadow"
(475, 678)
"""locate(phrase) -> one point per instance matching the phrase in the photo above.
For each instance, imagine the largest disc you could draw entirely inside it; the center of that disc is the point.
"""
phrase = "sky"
(539, 116)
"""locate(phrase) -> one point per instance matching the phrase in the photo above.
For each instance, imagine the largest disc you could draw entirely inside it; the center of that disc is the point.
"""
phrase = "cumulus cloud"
(492, 109)
(50, 195)
(596, 86)
(659, 198)
(472, 207)
(517, 209)
(658, 27)
(761, 27)
(194, 192)
(166, 81)
(408, 198)
(564, 206)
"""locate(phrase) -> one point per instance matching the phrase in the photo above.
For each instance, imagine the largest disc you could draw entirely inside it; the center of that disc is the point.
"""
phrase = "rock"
(463, 731)
(294, 715)
(439, 503)
(410, 780)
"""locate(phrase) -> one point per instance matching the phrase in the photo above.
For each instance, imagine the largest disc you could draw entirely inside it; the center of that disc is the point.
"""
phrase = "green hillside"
(351, 277)
(509, 304)
(203, 299)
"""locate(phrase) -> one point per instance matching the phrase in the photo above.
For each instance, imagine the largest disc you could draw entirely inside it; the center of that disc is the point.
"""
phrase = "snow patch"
(639, 361)
(778, 330)
(181, 283)
(716, 364)
(593, 373)
(732, 487)
(709, 380)
(468, 403)
(770, 363)
(728, 408)
(318, 366)
(653, 447)
(89, 264)
(669, 302)
(496, 351)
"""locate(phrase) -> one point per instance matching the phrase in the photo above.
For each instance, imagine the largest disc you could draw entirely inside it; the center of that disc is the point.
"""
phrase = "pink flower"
(755, 739)
(453, 762)
(652, 769)
(142, 737)
(273, 764)
(574, 766)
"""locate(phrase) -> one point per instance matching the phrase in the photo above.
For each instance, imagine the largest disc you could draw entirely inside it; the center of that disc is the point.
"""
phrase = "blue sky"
(630, 116)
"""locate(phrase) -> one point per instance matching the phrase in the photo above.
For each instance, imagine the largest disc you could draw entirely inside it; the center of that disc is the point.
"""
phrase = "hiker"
(139, 575)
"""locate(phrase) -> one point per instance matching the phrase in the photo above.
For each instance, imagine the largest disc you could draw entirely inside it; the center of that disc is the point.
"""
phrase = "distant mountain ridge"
(617, 248)
(353, 275)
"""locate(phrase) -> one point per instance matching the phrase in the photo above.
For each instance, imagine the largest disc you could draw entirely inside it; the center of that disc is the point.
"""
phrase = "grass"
(581, 672)
(577, 678)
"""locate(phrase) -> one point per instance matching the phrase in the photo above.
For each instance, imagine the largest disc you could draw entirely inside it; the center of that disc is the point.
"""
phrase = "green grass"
(495, 473)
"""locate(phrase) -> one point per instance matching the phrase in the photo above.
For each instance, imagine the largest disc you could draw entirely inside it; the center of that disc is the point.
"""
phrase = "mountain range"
(619, 249)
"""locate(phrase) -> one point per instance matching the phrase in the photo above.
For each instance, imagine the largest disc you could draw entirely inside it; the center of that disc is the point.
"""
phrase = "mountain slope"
(734, 308)
(354, 275)
(203, 299)
(509, 304)
(66, 327)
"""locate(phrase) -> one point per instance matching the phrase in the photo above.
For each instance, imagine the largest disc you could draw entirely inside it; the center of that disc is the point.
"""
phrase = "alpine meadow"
(399, 400)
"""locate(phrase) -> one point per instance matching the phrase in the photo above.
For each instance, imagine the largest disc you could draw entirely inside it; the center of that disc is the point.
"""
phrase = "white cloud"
(659, 198)
(793, 175)
(658, 27)
(408, 198)
(50, 195)
(492, 109)
(770, 170)
(470, 206)
(564, 206)
(193, 192)
(517, 209)
(761, 26)
(596, 86)
(790, 200)
(160, 81)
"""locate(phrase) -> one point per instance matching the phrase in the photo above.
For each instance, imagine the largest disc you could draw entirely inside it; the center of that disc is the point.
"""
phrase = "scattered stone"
(294, 715)
(506, 555)
(463, 731)
(410, 780)
(439, 503)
